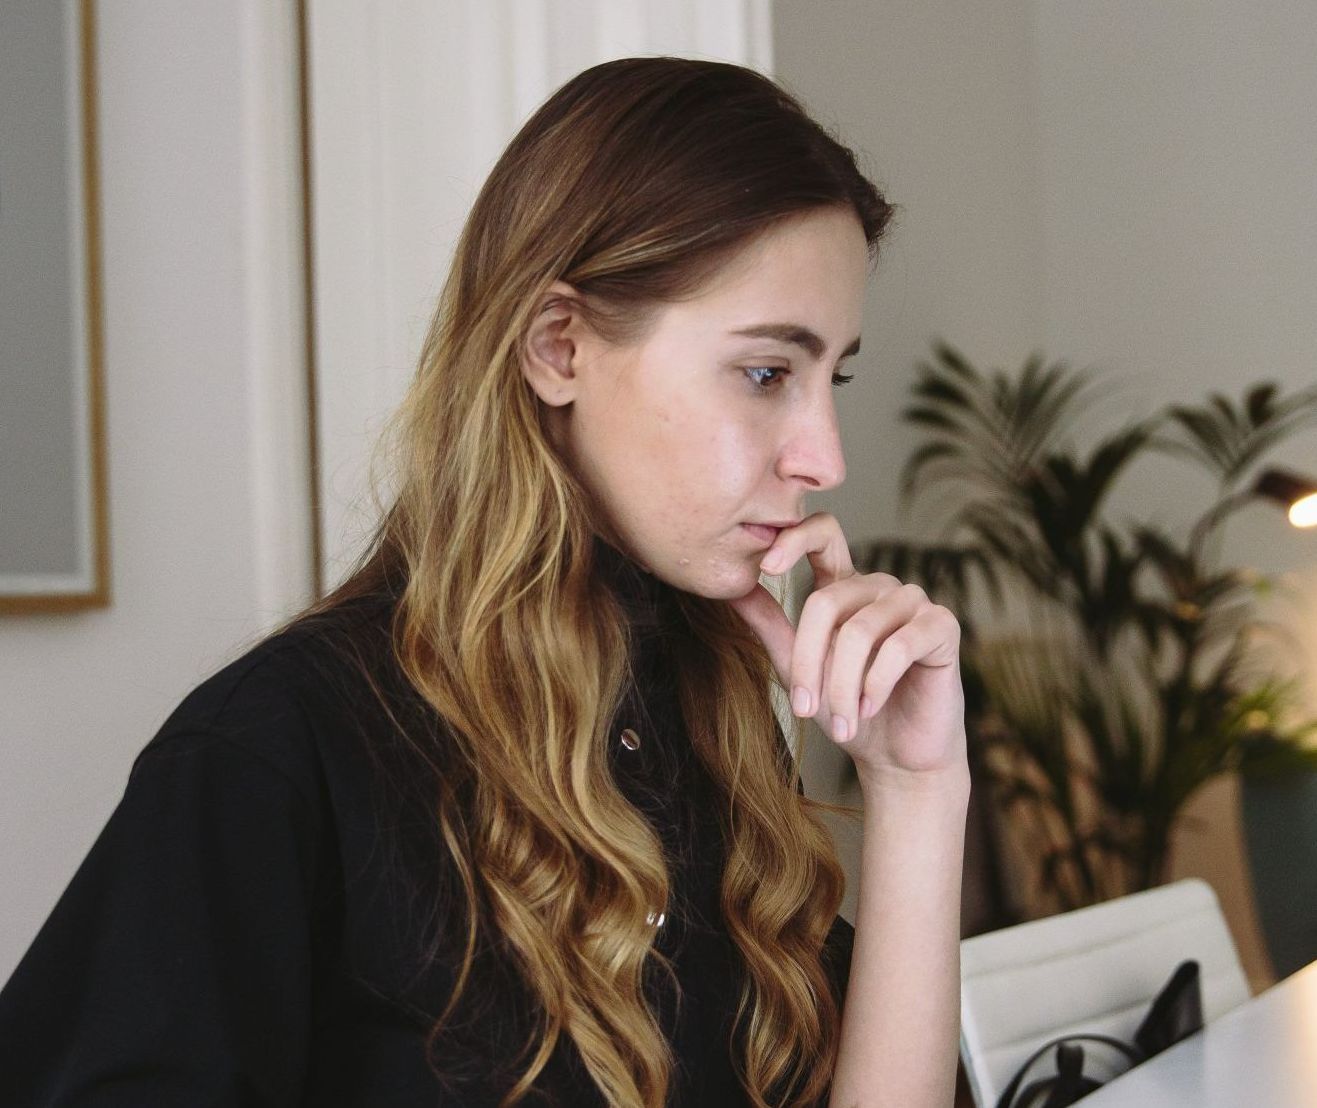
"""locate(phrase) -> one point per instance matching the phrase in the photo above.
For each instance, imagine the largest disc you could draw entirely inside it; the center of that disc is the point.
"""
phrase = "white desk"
(1262, 1054)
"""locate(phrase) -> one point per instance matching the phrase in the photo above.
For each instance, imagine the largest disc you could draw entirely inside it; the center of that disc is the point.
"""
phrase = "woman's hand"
(874, 662)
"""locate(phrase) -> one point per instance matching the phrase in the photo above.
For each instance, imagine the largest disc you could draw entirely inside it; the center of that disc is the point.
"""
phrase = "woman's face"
(722, 415)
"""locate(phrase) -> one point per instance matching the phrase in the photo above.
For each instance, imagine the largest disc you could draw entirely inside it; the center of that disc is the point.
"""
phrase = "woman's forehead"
(800, 283)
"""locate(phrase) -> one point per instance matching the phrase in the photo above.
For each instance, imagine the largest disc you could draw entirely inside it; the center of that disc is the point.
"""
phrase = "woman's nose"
(812, 453)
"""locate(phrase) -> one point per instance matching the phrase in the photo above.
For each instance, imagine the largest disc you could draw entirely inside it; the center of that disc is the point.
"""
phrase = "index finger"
(819, 538)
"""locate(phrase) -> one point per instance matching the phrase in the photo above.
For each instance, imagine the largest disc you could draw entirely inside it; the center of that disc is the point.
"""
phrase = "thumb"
(760, 609)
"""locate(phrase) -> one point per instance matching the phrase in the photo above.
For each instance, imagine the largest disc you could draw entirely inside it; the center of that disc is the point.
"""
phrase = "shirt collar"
(644, 598)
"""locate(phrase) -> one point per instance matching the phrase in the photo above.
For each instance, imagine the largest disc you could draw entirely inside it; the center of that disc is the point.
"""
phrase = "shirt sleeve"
(837, 950)
(176, 967)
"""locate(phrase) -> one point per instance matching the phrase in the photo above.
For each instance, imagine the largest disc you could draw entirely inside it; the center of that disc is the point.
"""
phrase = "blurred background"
(1125, 189)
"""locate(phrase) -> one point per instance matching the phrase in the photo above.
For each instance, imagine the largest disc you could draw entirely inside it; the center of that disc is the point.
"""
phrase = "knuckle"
(821, 604)
(946, 614)
(914, 591)
(895, 647)
(858, 629)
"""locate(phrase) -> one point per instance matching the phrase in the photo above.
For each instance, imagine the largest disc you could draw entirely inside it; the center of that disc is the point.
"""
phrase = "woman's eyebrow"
(798, 335)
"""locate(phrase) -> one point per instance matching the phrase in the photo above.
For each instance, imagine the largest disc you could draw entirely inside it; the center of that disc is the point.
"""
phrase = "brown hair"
(633, 183)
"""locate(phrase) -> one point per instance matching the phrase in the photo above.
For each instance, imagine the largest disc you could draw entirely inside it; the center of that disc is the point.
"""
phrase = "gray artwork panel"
(40, 473)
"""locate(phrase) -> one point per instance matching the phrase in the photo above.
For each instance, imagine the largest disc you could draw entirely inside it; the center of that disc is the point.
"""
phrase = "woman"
(506, 818)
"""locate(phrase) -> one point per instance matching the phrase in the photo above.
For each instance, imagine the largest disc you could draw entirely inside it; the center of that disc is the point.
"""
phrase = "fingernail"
(800, 700)
(772, 563)
(840, 731)
(866, 707)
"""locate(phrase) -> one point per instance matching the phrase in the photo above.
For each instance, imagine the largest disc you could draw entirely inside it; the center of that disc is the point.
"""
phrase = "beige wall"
(1178, 155)
(937, 99)
(1121, 184)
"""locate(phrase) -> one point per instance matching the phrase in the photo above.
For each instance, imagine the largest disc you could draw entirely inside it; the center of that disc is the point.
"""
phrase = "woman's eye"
(764, 383)
(763, 380)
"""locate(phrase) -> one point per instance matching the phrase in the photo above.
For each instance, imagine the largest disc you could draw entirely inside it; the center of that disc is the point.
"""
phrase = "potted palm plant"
(1130, 682)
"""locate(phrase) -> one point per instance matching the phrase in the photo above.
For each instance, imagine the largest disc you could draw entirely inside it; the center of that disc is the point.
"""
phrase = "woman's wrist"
(949, 786)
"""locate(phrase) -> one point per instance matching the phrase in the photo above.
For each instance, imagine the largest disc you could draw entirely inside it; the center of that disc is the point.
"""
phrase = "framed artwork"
(54, 529)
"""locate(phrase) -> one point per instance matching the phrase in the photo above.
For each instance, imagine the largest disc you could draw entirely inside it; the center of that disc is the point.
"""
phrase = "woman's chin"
(728, 580)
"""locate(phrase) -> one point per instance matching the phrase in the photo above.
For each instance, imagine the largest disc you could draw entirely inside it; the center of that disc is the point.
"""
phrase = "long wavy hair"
(634, 182)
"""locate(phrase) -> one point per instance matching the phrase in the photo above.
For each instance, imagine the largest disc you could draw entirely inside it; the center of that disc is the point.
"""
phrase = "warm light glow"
(1303, 512)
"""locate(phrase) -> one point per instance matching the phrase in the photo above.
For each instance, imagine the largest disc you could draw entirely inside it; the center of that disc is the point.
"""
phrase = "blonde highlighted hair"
(632, 183)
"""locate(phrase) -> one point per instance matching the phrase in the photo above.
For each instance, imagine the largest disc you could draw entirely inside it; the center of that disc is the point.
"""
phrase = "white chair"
(1092, 970)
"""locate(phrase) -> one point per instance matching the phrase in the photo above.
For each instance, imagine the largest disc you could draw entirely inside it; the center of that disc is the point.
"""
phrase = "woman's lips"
(762, 532)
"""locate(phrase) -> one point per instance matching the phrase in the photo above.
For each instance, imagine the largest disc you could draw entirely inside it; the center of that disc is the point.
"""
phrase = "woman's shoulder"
(289, 699)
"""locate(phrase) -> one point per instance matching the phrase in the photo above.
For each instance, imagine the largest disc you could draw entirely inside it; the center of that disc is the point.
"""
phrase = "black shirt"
(248, 927)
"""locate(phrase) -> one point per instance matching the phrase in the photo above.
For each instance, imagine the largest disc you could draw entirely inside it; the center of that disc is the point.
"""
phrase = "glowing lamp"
(1297, 494)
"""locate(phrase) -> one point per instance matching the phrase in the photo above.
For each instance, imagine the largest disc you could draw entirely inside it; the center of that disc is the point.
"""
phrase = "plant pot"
(1279, 814)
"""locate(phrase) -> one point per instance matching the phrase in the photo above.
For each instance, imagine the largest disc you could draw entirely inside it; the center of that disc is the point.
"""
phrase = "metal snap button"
(630, 739)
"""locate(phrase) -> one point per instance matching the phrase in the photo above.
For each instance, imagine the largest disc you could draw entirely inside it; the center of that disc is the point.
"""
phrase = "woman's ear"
(549, 357)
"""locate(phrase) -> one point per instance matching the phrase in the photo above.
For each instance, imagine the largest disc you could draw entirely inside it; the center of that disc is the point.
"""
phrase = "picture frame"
(54, 518)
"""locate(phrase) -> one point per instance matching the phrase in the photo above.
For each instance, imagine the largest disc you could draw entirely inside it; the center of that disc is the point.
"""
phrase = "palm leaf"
(1229, 438)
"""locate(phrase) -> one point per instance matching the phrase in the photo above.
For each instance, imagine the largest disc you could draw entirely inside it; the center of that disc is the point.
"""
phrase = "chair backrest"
(1092, 970)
